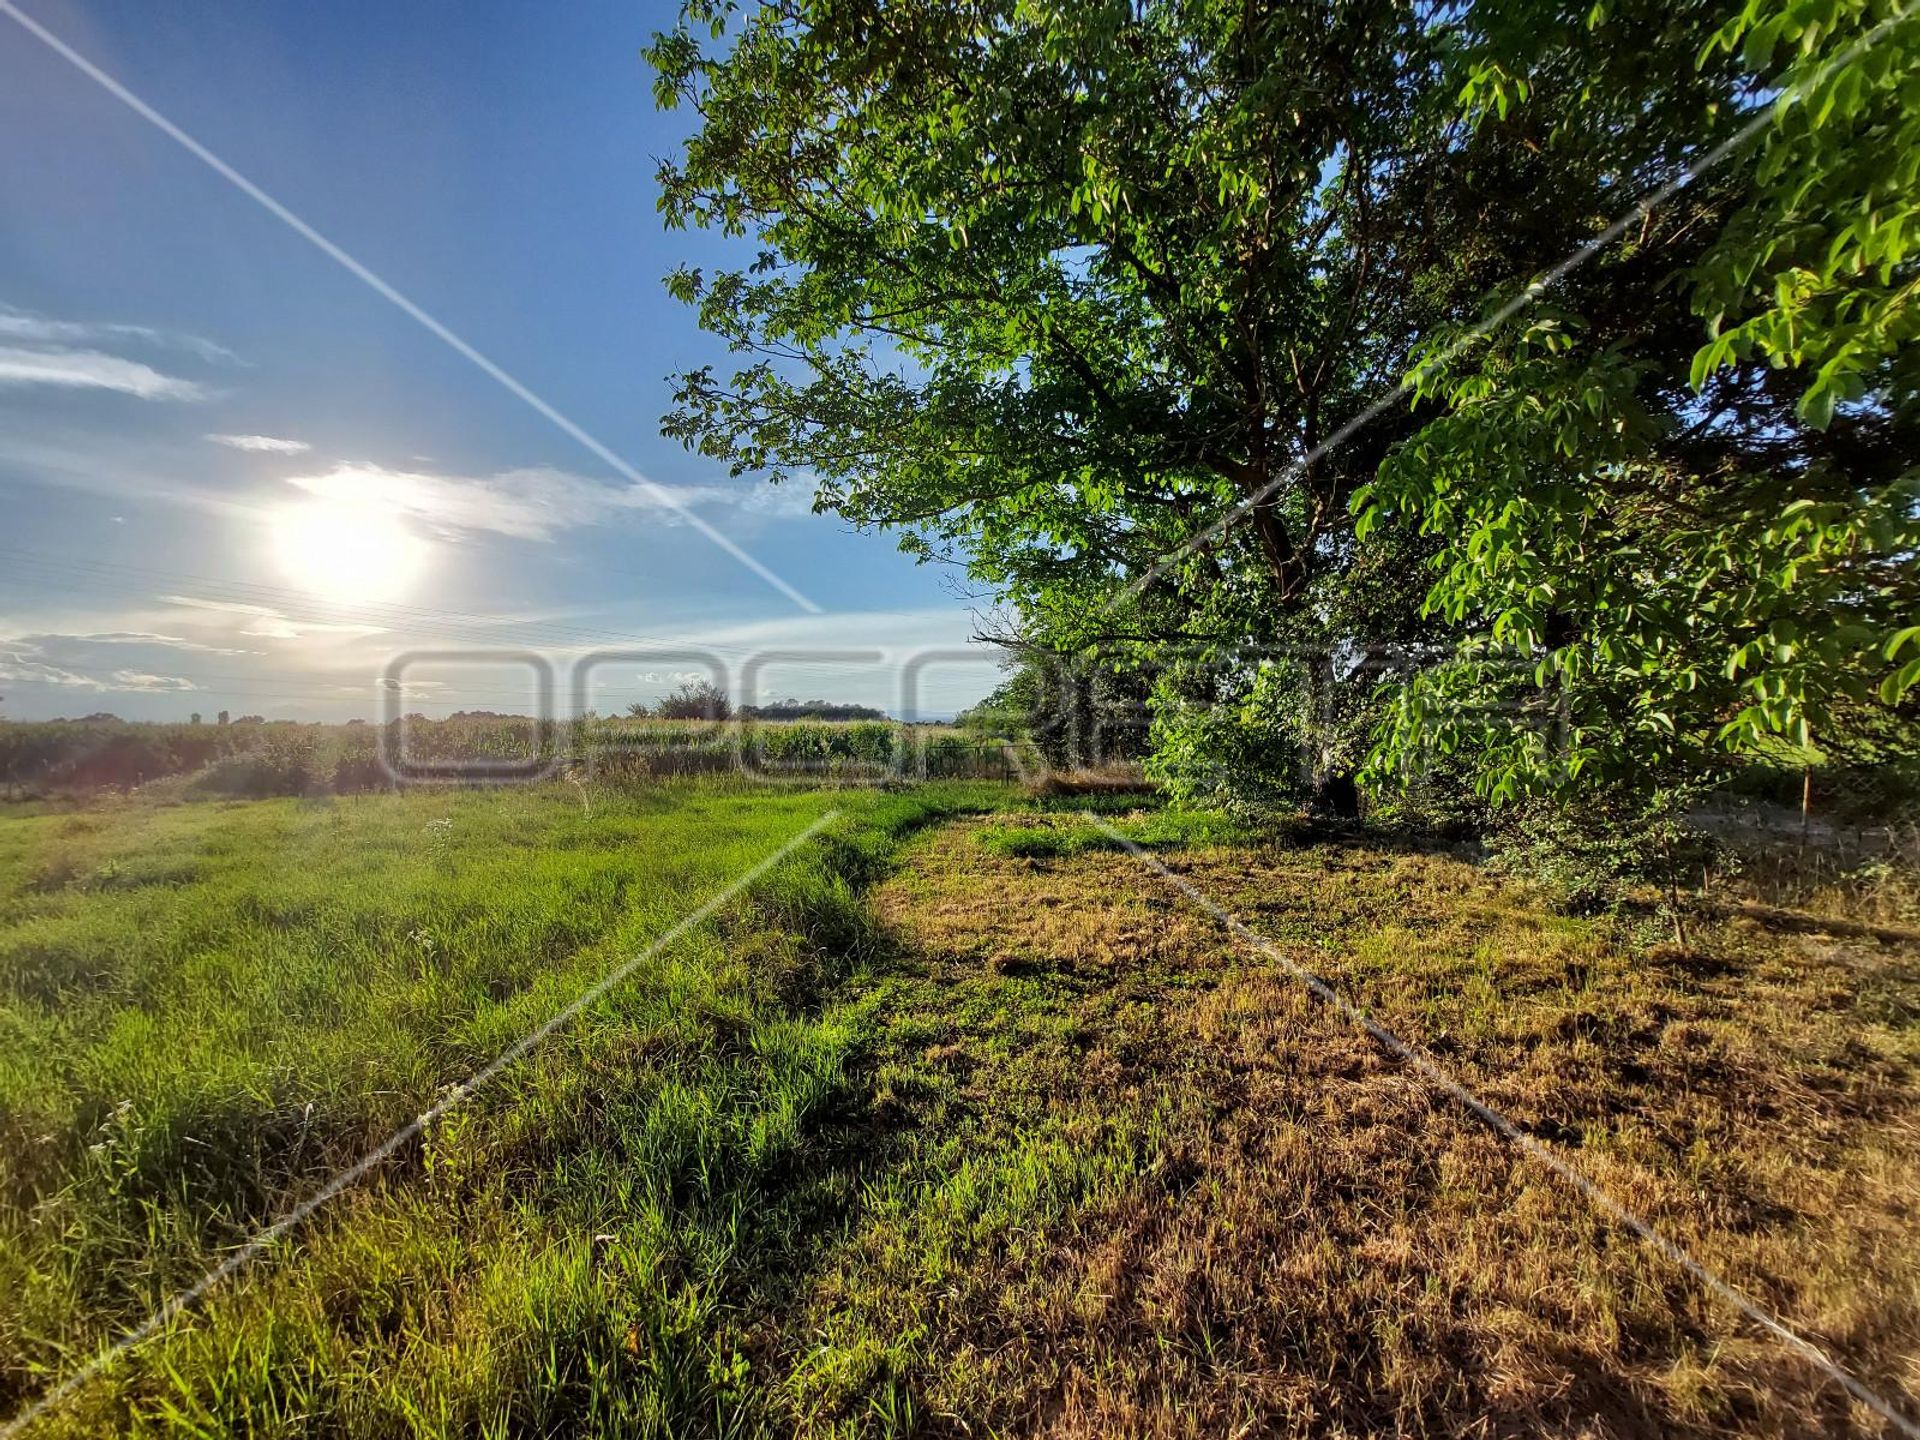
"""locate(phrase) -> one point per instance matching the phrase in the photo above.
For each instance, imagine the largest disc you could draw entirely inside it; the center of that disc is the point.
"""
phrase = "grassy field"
(959, 1123)
(1142, 1184)
(255, 759)
(207, 1009)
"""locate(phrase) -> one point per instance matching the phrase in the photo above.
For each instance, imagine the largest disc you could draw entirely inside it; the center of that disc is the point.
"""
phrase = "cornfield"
(288, 758)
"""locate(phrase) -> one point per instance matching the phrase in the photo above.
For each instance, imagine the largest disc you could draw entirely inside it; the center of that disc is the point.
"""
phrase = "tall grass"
(285, 758)
(208, 1009)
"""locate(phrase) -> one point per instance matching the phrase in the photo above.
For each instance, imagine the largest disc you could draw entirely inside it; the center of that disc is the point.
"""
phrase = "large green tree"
(1070, 289)
(1058, 284)
(1679, 495)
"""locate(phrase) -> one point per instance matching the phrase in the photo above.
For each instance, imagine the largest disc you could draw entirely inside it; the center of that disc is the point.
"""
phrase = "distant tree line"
(791, 709)
(705, 700)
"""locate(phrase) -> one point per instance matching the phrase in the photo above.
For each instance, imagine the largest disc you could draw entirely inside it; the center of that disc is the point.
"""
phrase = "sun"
(347, 550)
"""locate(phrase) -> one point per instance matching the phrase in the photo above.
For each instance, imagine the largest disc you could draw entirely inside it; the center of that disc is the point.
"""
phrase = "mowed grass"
(207, 1010)
(960, 1128)
(1138, 1182)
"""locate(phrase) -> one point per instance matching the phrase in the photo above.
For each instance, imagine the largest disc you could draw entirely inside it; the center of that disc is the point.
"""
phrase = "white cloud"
(75, 355)
(897, 632)
(132, 637)
(272, 628)
(118, 467)
(526, 504)
(17, 324)
(755, 497)
(230, 607)
(535, 503)
(82, 652)
(265, 444)
(141, 680)
(21, 665)
(267, 623)
(25, 661)
(93, 370)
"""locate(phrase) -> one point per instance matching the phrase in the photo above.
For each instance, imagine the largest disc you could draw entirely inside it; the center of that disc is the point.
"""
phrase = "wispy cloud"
(265, 444)
(901, 632)
(80, 355)
(535, 503)
(18, 324)
(527, 504)
(24, 662)
(102, 460)
(755, 497)
(93, 370)
(133, 637)
(22, 665)
(265, 622)
(142, 681)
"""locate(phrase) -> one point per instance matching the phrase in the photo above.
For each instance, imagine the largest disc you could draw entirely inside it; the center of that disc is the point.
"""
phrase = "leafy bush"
(1589, 850)
(283, 768)
(1238, 743)
(696, 700)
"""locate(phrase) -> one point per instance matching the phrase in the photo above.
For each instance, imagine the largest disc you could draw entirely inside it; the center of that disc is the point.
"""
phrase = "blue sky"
(232, 476)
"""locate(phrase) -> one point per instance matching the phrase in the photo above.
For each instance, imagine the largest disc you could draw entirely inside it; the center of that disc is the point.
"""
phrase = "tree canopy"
(1521, 380)
(1681, 495)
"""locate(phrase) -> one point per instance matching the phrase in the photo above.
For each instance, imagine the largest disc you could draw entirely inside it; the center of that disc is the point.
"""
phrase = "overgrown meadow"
(208, 1009)
(253, 757)
(957, 1121)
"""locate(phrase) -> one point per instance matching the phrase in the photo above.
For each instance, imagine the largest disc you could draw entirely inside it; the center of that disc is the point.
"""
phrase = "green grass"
(959, 1128)
(208, 1009)
(1070, 831)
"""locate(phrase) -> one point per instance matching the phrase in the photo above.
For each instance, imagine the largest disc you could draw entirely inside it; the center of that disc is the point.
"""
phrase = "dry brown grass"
(1120, 777)
(1870, 876)
(1129, 1179)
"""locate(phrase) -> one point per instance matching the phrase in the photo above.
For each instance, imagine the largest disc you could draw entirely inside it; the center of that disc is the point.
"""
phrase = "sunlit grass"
(985, 1129)
(1141, 1183)
(209, 1009)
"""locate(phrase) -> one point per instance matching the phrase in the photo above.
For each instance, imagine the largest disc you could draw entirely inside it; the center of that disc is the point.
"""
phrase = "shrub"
(696, 700)
(1588, 851)
(283, 768)
(353, 774)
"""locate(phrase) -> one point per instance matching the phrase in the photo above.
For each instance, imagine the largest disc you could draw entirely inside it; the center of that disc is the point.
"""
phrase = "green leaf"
(1816, 406)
